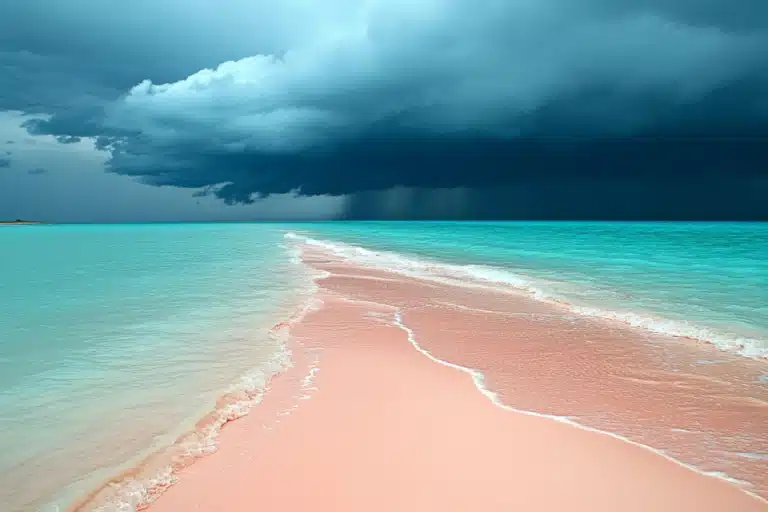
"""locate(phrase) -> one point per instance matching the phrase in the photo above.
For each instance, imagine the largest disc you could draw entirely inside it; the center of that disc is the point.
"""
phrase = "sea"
(115, 340)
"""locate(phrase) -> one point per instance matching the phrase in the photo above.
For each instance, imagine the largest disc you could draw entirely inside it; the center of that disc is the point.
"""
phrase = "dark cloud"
(347, 96)
(68, 139)
(573, 199)
(748, 16)
(36, 171)
(5, 162)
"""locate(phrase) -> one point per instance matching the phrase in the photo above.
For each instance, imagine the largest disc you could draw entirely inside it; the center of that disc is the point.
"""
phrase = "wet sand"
(365, 420)
(691, 400)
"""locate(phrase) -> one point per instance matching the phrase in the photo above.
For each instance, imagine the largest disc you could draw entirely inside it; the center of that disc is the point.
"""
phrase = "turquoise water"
(115, 339)
(705, 280)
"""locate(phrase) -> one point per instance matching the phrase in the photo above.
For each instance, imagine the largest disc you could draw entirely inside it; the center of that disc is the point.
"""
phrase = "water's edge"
(478, 378)
(503, 280)
(137, 493)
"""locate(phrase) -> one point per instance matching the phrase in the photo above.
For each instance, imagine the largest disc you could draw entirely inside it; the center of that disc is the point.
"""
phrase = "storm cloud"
(249, 99)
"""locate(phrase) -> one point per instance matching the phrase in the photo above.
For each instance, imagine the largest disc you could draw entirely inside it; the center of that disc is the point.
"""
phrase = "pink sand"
(382, 427)
(649, 388)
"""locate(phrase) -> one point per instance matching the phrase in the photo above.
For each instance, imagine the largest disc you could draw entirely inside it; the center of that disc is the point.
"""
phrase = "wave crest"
(505, 280)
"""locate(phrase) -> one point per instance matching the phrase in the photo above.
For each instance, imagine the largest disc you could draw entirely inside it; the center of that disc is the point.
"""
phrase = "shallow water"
(116, 339)
(539, 358)
(703, 280)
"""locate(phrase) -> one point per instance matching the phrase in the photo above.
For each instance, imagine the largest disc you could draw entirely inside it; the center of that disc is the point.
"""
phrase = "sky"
(402, 109)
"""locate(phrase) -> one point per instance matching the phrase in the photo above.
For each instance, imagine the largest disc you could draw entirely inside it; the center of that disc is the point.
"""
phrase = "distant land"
(18, 222)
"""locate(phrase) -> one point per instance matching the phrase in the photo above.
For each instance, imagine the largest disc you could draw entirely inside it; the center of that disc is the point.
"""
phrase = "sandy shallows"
(365, 421)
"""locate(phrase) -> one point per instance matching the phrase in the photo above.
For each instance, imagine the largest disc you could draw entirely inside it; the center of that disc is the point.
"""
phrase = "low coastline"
(363, 420)
(19, 222)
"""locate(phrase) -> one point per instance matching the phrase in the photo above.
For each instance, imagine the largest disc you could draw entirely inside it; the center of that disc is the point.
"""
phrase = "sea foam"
(505, 280)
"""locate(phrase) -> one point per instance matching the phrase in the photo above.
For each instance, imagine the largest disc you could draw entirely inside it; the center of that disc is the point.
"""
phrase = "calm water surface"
(115, 339)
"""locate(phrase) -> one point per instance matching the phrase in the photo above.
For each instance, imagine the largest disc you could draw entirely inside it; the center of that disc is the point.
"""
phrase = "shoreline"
(254, 449)
(500, 280)
(478, 380)
(723, 406)
(230, 440)
(140, 482)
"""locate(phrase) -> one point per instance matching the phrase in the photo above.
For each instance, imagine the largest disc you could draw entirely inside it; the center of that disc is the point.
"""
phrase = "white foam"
(306, 382)
(132, 493)
(753, 456)
(735, 481)
(507, 281)
(294, 254)
(479, 380)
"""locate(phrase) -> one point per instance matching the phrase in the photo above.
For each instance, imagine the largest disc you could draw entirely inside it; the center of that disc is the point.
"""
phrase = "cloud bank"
(344, 96)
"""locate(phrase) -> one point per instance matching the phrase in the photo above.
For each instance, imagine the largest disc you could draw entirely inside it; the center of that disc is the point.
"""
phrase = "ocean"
(707, 281)
(116, 339)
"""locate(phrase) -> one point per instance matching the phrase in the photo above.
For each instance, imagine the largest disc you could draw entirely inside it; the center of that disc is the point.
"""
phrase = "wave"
(139, 486)
(478, 378)
(508, 281)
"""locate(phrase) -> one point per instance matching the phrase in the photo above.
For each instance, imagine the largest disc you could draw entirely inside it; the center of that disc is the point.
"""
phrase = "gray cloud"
(5, 162)
(104, 49)
(350, 96)
(37, 171)
(624, 199)
(75, 188)
(68, 139)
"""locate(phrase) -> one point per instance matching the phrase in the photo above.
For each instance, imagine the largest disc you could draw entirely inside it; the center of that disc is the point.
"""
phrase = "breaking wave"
(508, 281)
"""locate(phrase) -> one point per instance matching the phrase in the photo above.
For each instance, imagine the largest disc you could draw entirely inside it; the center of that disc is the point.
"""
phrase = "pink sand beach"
(381, 412)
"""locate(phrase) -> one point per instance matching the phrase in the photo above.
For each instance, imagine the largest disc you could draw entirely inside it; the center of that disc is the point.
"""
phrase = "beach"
(116, 341)
(410, 394)
(405, 366)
